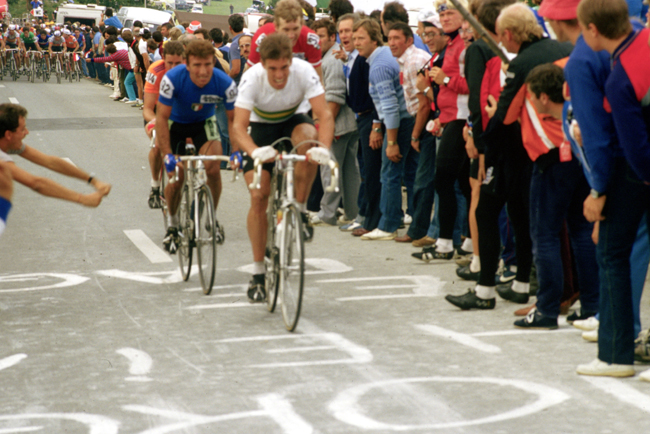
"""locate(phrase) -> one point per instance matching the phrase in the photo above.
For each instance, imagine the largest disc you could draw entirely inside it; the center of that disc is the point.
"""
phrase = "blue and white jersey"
(190, 103)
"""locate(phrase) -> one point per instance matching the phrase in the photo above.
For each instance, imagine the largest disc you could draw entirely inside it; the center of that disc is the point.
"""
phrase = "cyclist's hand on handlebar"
(264, 153)
(236, 160)
(319, 155)
(170, 163)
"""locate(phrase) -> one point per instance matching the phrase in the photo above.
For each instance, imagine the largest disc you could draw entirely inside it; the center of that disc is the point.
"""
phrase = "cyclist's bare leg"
(173, 193)
(305, 173)
(155, 162)
(213, 169)
(256, 222)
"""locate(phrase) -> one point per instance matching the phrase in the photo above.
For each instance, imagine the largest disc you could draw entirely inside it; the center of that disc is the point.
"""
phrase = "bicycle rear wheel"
(163, 183)
(292, 267)
(32, 73)
(185, 233)
(206, 243)
(272, 257)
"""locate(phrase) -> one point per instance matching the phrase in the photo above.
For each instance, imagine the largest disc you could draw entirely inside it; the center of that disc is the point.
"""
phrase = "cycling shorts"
(31, 46)
(199, 132)
(12, 45)
(264, 134)
(57, 49)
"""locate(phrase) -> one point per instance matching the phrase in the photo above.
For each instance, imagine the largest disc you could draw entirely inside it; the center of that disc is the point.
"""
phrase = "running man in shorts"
(186, 109)
(274, 99)
(173, 56)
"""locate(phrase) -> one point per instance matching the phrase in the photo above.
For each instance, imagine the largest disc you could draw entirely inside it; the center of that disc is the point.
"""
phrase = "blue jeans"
(222, 123)
(639, 264)
(556, 195)
(84, 68)
(628, 199)
(129, 80)
(424, 188)
(391, 178)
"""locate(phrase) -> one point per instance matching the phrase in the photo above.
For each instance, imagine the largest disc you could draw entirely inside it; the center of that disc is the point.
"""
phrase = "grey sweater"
(334, 80)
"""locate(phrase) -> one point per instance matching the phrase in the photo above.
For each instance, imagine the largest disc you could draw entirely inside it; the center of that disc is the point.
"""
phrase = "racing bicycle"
(284, 261)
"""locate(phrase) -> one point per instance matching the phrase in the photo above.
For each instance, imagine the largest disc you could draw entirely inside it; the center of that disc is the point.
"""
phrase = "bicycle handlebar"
(235, 176)
(333, 165)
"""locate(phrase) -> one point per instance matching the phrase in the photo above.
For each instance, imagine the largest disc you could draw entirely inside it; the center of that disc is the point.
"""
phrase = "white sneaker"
(343, 221)
(315, 220)
(351, 226)
(645, 375)
(602, 369)
(591, 335)
(126, 99)
(407, 219)
(379, 235)
(587, 325)
(113, 96)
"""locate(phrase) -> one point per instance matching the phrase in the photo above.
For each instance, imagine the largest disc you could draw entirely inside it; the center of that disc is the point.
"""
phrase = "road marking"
(171, 276)
(345, 407)
(98, 424)
(321, 265)
(274, 406)
(420, 286)
(13, 100)
(10, 361)
(620, 391)
(16, 430)
(154, 253)
(281, 411)
(68, 280)
(357, 353)
(140, 364)
(2, 85)
(460, 338)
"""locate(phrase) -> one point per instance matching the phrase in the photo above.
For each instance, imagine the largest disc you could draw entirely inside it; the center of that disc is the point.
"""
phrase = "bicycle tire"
(32, 72)
(163, 184)
(185, 233)
(272, 257)
(206, 242)
(292, 267)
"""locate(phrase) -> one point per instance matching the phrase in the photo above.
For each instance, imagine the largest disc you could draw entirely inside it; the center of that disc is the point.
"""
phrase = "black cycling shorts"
(264, 134)
(56, 49)
(199, 132)
(31, 46)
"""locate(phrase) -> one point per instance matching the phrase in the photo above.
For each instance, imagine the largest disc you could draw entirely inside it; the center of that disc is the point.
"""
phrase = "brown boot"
(424, 242)
(359, 231)
(403, 239)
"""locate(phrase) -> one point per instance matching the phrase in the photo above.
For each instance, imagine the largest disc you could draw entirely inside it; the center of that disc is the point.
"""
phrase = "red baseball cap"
(559, 10)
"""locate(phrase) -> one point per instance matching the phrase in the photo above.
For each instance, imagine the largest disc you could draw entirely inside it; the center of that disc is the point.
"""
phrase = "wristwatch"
(378, 130)
(446, 80)
(596, 194)
(392, 143)
(415, 139)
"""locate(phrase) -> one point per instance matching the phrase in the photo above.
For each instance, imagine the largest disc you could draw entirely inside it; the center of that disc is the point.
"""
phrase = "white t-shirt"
(5, 157)
(142, 47)
(269, 105)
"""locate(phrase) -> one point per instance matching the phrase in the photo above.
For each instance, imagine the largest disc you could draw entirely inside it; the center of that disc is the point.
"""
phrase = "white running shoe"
(379, 235)
(587, 325)
(602, 369)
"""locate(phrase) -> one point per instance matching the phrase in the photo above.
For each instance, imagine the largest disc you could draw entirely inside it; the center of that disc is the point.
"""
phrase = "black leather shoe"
(470, 300)
(467, 274)
(506, 293)
(536, 321)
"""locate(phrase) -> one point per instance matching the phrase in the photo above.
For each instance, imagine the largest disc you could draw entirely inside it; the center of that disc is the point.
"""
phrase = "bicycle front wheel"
(163, 183)
(292, 267)
(185, 233)
(206, 243)
(272, 256)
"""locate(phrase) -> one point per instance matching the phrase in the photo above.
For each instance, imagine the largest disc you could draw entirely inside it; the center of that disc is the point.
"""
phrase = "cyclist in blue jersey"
(43, 41)
(186, 109)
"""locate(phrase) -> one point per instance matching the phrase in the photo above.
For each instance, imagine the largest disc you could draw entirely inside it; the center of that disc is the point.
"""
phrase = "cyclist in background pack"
(188, 96)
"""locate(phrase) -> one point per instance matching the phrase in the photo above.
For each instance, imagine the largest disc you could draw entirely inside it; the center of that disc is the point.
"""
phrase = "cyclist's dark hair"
(276, 46)
(157, 36)
(200, 49)
(338, 8)
(173, 48)
(236, 22)
(109, 12)
(216, 35)
(138, 23)
(402, 27)
(395, 12)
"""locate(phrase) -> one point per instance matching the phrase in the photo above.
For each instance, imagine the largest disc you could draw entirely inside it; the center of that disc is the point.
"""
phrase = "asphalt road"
(99, 337)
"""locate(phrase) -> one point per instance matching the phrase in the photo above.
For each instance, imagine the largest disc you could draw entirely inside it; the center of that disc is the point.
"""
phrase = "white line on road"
(25, 429)
(523, 332)
(281, 411)
(361, 288)
(140, 363)
(10, 361)
(299, 349)
(2, 85)
(13, 100)
(154, 253)
(621, 391)
(460, 338)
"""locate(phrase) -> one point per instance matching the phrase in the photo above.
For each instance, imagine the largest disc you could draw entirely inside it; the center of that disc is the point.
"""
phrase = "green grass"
(223, 7)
